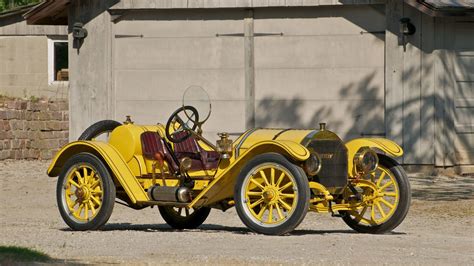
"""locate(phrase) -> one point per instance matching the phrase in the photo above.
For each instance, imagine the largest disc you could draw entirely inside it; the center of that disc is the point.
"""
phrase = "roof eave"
(49, 12)
(440, 12)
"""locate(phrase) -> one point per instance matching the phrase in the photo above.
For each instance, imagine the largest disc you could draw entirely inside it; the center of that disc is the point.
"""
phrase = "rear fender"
(222, 186)
(385, 145)
(111, 158)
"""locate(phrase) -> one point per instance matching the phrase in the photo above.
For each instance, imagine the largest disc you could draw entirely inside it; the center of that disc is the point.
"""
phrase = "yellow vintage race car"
(272, 176)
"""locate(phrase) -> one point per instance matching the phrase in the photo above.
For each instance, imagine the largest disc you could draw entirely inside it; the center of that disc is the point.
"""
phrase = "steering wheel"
(178, 124)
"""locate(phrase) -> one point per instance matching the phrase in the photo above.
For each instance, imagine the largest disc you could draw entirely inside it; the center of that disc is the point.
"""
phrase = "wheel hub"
(270, 195)
(83, 194)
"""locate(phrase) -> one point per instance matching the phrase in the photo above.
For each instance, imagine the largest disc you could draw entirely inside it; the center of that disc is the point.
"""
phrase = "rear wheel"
(389, 199)
(85, 192)
(183, 218)
(99, 130)
(271, 195)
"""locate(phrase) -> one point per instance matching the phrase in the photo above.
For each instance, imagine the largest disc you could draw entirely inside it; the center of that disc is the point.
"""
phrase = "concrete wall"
(91, 94)
(16, 26)
(24, 59)
(423, 79)
(24, 68)
(419, 99)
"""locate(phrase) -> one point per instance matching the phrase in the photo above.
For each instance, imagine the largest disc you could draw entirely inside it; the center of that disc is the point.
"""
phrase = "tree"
(5, 5)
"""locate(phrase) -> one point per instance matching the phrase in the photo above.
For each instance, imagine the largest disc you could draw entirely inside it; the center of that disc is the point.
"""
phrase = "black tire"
(288, 223)
(86, 160)
(401, 210)
(174, 218)
(99, 128)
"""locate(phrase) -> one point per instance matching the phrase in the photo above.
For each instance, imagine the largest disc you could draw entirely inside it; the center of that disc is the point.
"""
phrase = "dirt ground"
(438, 230)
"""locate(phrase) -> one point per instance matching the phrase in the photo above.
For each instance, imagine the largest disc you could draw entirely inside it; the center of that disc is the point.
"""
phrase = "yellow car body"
(123, 155)
(273, 177)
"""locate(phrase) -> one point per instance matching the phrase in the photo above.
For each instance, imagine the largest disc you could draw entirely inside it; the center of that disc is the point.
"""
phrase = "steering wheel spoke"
(176, 124)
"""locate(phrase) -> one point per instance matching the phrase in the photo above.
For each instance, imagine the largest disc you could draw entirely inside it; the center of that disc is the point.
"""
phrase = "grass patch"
(20, 254)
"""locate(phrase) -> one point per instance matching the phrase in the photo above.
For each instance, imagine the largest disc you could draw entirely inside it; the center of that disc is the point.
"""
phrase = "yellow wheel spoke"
(285, 195)
(254, 193)
(74, 183)
(270, 214)
(79, 177)
(262, 174)
(86, 180)
(382, 212)
(360, 217)
(262, 211)
(272, 176)
(73, 205)
(280, 179)
(280, 213)
(256, 183)
(96, 193)
(253, 205)
(379, 181)
(86, 211)
(93, 185)
(95, 200)
(382, 188)
(390, 194)
(91, 177)
(287, 185)
(284, 204)
(372, 213)
(91, 205)
(388, 204)
(77, 213)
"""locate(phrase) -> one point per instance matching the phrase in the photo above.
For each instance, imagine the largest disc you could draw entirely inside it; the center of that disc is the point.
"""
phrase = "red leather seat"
(201, 159)
(153, 143)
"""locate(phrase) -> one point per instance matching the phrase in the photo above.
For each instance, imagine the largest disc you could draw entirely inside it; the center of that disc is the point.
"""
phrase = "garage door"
(159, 54)
(322, 64)
(463, 65)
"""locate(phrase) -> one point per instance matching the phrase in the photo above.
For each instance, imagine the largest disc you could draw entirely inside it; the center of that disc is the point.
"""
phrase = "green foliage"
(11, 254)
(5, 5)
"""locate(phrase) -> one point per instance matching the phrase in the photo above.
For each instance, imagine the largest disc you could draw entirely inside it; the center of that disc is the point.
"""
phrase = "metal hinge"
(128, 36)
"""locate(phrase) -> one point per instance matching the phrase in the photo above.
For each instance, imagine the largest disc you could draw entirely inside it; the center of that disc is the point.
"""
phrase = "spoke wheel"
(183, 218)
(386, 199)
(100, 130)
(272, 195)
(85, 192)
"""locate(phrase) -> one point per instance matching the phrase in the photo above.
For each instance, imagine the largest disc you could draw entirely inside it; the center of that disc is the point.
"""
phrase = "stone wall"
(32, 129)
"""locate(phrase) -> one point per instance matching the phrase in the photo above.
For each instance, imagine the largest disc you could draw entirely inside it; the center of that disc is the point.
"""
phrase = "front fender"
(385, 145)
(222, 186)
(111, 158)
(290, 149)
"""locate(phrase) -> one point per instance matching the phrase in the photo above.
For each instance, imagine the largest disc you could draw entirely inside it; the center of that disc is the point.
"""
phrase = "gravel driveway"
(438, 230)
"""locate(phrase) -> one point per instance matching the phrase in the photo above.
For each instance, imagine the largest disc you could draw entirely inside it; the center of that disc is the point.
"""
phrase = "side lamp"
(406, 29)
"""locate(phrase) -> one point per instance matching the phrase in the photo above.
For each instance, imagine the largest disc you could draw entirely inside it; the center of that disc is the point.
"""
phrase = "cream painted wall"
(24, 68)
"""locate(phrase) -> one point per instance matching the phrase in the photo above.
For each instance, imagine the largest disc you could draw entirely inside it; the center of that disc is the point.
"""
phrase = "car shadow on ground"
(214, 228)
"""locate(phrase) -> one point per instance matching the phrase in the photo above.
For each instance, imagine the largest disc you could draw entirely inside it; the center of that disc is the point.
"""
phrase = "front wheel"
(85, 192)
(271, 195)
(387, 200)
(182, 218)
